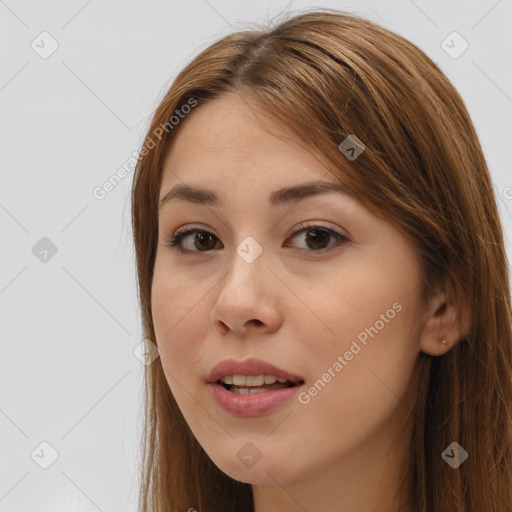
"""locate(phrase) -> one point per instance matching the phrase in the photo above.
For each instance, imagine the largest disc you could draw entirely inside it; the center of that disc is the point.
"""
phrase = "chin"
(242, 468)
(254, 476)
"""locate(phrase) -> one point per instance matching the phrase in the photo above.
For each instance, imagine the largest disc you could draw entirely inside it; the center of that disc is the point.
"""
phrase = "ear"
(444, 318)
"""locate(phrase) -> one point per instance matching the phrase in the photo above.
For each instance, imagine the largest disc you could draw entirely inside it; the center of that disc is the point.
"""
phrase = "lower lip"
(252, 405)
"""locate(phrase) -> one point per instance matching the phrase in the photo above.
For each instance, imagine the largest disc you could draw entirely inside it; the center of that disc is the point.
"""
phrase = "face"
(313, 284)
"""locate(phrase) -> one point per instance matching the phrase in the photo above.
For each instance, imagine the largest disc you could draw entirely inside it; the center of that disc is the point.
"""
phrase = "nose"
(247, 300)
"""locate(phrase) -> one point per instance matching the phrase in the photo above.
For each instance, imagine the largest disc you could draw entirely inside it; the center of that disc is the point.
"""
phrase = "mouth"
(254, 384)
(252, 387)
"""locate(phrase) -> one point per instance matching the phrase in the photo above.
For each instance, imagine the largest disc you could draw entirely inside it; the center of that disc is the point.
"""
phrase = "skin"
(296, 307)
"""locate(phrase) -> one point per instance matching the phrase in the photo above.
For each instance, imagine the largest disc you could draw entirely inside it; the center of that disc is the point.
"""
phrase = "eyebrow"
(284, 195)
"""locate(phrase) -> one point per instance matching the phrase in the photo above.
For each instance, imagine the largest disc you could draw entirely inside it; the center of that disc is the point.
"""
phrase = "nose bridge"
(244, 294)
(248, 265)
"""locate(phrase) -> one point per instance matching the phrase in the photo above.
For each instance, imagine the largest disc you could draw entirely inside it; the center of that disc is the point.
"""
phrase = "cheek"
(372, 316)
(178, 339)
(174, 310)
(371, 300)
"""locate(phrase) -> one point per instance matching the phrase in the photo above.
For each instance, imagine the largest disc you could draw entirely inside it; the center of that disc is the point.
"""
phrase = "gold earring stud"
(443, 339)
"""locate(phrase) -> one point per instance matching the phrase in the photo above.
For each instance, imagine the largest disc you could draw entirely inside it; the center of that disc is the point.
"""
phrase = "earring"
(443, 339)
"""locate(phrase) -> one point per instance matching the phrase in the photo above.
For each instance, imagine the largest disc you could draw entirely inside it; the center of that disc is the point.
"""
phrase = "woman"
(322, 267)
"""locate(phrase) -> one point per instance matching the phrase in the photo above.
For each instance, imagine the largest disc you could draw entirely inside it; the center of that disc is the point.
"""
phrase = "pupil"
(201, 238)
(320, 235)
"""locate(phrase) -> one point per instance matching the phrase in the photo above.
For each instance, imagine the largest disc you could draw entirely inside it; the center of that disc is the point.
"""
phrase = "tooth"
(270, 379)
(227, 380)
(282, 380)
(257, 380)
(252, 391)
(259, 390)
(239, 380)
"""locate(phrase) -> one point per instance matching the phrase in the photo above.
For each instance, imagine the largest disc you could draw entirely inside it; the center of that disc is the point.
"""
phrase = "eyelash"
(174, 240)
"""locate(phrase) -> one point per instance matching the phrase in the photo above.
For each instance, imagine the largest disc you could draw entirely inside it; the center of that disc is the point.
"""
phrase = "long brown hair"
(328, 75)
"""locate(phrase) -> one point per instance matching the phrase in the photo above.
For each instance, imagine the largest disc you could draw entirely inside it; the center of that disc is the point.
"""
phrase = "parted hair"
(328, 74)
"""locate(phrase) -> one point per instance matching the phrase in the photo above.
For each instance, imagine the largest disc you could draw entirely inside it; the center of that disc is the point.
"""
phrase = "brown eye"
(201, 242)
(318, 238)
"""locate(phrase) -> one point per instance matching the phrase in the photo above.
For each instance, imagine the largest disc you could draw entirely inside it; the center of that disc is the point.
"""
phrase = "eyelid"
(191, 227)
(310, 224)
(294, 230)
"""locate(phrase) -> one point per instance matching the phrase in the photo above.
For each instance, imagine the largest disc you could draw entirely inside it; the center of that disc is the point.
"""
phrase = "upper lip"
(250, 367)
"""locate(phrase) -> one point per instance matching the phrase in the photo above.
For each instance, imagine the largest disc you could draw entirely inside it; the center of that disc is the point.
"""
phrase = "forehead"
(226, 143)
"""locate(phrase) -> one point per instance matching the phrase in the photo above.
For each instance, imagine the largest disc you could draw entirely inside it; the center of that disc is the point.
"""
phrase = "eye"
(317, 237)
(203, 241)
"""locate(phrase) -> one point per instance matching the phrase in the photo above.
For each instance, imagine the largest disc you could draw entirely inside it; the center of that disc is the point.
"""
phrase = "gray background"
(70, 320)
